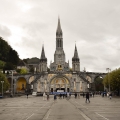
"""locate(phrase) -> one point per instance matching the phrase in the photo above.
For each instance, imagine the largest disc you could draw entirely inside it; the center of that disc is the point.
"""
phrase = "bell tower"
(75, 61)
(43, 61)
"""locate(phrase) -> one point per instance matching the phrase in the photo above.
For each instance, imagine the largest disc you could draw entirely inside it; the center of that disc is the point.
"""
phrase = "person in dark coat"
(55, 97)
(27, 95)
(83, 94)
(75, 95)
(87, 97)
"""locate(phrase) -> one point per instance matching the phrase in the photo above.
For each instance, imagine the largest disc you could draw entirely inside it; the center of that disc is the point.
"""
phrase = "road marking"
(85, 116)
(30, 116)
(102, 116)
(81, 105)
(48, 113)
(35, 110)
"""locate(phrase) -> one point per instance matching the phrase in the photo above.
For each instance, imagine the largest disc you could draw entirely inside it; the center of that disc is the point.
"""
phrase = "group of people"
(108, 94)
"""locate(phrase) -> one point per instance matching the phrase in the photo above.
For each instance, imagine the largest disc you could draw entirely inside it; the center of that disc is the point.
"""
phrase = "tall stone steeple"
(43, 61)
(75, 61)
(75, 53)
(43, 53)
(59, 63)
(59, 34)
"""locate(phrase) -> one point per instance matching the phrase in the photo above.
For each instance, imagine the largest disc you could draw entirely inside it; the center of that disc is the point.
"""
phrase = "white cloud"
(93, 24)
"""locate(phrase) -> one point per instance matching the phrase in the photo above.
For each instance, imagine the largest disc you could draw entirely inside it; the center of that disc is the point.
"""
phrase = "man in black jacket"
(87, 97)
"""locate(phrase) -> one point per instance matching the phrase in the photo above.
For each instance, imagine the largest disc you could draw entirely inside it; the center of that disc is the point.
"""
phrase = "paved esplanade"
(34, 108)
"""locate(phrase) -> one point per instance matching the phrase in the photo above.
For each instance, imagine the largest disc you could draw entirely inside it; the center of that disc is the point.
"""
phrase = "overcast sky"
(93, 24)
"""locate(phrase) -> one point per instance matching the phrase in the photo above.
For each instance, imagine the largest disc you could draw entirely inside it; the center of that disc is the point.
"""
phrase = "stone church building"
(60, 78)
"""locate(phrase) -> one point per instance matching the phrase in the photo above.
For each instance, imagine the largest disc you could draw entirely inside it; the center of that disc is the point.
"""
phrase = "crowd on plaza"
(76, 95)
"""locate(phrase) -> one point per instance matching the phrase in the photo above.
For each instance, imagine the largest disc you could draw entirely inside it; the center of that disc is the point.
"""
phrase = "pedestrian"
(47, 96)
(83, 94)
(55, 97)
(93, 94)
(63, 95)
(44, 96)
(75, 95)
(27, 95)
(87, 97)
(110, 95)
(78, 95)
(60, 95)
(68, 95)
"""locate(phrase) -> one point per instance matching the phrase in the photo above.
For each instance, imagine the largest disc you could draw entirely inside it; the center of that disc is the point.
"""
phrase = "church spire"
(59, 30)
(43, 53)
(75, 52)
(75, 61)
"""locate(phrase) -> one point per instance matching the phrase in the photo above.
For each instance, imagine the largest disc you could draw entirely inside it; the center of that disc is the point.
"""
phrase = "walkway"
(34, 108)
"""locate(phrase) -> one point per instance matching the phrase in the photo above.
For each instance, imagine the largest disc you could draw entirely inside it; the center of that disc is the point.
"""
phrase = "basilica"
(60, 78)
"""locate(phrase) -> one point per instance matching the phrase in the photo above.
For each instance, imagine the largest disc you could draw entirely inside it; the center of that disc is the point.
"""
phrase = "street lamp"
(108, 69)
(12, 84)
(2, 87)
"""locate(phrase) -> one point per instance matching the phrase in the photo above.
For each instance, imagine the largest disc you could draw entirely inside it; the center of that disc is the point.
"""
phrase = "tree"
(2, 64)
(7, 54)
(113, 78)
(13, 57)
(99, 84)
(5, 84)
(23, 71)
(8, 66)
(4, 49)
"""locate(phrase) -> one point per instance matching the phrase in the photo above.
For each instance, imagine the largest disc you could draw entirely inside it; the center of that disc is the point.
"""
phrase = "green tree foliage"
(23, 71)
(113, 78)
(13, 57)
(4, 50)
(26, 60)
(9, 66)
(7, 54)
(2, 64)
(99, 84)
(6, 83)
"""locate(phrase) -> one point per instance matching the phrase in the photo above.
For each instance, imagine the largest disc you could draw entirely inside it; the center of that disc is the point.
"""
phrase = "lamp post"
(14, 86)
(108, 69)
(2, 87)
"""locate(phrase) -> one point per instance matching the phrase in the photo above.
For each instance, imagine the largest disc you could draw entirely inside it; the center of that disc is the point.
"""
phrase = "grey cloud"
(4, 31)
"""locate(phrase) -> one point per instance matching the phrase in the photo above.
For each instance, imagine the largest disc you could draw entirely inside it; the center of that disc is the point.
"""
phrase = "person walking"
(75, 95)
(47, 97)
(44, 96)
(110, 95)
(83, 94)
(87, 97)
(27, 95)
(68, 96)
(93, 94)
(55, 97)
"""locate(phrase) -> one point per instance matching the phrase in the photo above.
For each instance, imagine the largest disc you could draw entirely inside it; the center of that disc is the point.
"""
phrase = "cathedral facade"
(60, 78)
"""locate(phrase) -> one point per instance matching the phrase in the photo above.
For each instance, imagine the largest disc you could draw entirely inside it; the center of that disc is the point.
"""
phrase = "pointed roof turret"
(75, 52)
(75, 57)
(59, 30)
(43, 54)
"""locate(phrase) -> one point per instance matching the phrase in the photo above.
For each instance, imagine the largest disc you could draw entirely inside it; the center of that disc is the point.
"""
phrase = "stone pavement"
(34, 108)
